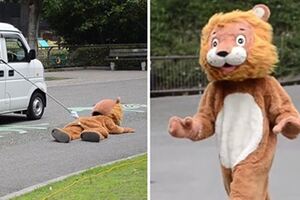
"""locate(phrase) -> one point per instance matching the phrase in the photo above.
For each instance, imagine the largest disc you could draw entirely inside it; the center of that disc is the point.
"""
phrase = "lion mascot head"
(238, 45)
(111, 108)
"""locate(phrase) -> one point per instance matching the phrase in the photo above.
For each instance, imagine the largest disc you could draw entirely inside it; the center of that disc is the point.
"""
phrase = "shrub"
(89, 56)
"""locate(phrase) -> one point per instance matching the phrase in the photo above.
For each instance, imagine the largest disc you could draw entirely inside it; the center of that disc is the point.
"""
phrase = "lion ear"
(118, 100)
(262, 11)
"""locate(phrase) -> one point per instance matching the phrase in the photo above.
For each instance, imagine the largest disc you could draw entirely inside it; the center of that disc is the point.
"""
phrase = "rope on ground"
(95, 175)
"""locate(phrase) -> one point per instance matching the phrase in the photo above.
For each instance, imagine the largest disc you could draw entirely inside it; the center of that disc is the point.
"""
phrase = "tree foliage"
(176, 26)
(98, 21)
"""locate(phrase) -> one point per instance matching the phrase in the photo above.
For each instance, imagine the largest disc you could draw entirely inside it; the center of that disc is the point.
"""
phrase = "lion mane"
(261, 57)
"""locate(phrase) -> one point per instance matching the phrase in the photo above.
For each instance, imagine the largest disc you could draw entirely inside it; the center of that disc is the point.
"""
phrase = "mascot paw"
(289, 127)
(129, 130)
(184, 128)
(90, 136)
(60, 136)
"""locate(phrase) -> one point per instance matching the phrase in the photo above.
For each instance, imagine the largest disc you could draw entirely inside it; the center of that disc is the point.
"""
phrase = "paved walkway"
(181, 169)
(32, 156)
(91, 76)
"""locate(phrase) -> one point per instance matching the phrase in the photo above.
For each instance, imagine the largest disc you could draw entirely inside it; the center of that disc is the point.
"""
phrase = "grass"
(124, 180)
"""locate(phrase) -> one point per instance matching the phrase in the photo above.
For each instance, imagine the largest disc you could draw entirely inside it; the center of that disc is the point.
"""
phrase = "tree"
(30, 12)
(176, 26)
(34, 13)
(98, 21)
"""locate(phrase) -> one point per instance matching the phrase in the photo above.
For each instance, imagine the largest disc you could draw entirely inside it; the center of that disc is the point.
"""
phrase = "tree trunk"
(34, 12)
(24, 10)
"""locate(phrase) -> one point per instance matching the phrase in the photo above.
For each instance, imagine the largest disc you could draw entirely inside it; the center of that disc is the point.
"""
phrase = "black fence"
(180, 75)
(174, 75)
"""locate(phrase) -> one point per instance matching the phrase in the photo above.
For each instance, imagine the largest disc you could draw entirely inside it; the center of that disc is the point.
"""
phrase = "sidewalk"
(90, 75)
(182, 169)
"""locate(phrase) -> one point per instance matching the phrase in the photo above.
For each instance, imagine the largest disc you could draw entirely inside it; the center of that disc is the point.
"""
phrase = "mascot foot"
(60, 136)
(90, 136)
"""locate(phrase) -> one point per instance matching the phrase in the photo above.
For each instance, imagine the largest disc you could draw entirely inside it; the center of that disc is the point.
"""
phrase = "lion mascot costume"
(106, 119)
(243, 105)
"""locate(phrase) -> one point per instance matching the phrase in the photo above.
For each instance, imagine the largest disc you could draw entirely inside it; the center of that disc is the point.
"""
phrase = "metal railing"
(173, 75)
(177, 75)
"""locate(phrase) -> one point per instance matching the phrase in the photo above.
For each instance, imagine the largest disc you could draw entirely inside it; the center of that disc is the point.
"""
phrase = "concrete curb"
(34, 187)
(62, 69)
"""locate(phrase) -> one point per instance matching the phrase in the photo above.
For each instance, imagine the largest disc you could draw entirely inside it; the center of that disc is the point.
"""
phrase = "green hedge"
(78, 56)
(88, 56)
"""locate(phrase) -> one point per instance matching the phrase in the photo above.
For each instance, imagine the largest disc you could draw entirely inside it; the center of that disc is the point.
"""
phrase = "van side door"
(16, 86)
(4, 100)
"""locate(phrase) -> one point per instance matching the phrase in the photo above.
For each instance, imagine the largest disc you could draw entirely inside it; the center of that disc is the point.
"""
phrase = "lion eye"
(215, 42)
(240, 40)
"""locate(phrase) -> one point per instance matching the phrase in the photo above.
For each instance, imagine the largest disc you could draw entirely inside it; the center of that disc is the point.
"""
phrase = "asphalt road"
(28, 153)
(182, 169)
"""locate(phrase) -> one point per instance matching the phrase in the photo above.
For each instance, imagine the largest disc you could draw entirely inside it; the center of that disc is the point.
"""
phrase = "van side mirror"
(31, 55)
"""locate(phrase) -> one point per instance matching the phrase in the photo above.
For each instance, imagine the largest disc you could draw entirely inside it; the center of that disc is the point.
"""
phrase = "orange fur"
(106, 119)
(116, 114)
(247, 179)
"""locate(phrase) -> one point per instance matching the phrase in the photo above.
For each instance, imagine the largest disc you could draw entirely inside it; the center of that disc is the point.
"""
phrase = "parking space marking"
(140, 108)
(21, 129)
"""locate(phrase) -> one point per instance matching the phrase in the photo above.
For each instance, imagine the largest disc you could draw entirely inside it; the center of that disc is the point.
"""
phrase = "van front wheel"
(36, 106)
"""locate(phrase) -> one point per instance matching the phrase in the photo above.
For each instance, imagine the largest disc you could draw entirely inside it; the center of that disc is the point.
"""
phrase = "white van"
(17, 94)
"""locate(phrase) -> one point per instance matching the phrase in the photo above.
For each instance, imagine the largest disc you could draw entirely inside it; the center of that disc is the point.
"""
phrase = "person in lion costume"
(243, 104)
(106, 119)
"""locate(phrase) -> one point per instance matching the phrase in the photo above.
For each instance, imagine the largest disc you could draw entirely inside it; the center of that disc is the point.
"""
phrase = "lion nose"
(222, 53)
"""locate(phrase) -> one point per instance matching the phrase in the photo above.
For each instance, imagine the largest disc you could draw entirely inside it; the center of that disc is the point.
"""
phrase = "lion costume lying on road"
(106, 118)
(243, 104)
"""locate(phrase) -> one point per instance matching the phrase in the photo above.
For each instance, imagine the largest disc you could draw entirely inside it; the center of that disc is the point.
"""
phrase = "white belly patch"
(239, 128)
